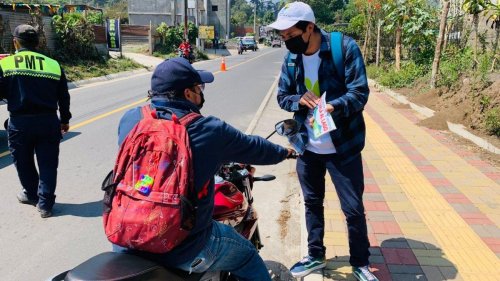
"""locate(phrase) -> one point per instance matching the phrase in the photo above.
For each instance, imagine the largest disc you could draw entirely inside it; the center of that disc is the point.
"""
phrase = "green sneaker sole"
(308, 271)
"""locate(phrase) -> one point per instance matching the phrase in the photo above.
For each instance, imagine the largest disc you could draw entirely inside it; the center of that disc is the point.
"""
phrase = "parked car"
(276, 43)
(249, 44)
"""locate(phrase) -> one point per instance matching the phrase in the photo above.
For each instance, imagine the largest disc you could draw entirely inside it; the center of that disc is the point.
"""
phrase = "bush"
(373, 71)
(75, 38)
(454, 63)
(492, 121)
(408, 74)
(172, 36)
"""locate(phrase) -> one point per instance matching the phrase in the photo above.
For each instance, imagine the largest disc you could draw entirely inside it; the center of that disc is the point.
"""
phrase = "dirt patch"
(401, 105)
(466, 105)
(283, 222)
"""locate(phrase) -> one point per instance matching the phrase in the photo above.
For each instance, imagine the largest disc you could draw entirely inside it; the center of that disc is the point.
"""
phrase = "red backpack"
(152, 203)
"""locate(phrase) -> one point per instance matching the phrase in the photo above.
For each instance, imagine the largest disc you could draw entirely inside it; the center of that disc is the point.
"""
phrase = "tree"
(439, 43)
(493, 15)
(413, 24)
(370, 9)
(474, 8)
(324, 10)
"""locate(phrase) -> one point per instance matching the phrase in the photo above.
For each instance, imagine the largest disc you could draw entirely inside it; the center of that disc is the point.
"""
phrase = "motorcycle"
(187, 54)
(233, 206)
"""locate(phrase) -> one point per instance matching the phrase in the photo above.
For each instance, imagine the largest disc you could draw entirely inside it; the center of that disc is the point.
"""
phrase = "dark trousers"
(349, 184)
(36, 135)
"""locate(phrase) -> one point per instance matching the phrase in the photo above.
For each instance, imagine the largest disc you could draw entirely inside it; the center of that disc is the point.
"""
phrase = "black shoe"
(44, 213)
(23, 199)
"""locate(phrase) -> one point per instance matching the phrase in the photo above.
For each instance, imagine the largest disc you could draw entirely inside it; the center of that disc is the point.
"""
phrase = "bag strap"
(337, 48)
(189, 118)
(148, 112)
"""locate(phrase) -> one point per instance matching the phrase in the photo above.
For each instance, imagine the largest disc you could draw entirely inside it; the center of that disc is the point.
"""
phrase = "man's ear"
(189, 95)
(310, 27)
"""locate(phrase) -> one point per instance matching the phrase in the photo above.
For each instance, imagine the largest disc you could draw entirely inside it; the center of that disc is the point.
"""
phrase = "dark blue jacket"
(347, 97)
(213, 142)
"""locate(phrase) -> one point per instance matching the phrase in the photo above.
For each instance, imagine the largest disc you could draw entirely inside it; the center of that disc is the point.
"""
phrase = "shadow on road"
(7, 159)
(278, 271)
(85, 210)
(395, 259)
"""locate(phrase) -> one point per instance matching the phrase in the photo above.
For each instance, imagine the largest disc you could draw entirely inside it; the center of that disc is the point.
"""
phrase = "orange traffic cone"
(223, 64)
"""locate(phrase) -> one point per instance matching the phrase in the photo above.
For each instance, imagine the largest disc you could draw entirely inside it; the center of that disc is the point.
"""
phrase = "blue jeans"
(39, 135)
(226, 250)
(349, 185)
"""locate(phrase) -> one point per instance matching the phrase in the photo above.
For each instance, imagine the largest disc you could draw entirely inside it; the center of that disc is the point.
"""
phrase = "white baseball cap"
(291, 14)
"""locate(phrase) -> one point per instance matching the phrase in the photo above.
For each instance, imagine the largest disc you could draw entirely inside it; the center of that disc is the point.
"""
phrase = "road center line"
(91, 120)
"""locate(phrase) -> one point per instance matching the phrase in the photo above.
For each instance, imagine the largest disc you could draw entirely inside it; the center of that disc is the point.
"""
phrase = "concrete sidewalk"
(433, 208)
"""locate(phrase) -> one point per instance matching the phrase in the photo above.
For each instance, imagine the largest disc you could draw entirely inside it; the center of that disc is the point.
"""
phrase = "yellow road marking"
(5, 153)
(93, 119)
(461, 245)
(106, 114)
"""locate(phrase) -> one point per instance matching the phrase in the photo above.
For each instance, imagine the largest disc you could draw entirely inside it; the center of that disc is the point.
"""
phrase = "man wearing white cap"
(331, 64)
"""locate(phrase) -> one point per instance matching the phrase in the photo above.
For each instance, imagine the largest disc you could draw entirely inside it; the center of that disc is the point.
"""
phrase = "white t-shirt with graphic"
(323, 144)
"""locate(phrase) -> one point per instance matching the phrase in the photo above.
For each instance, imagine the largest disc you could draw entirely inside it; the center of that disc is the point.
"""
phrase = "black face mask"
(202, 96)
(296, 45)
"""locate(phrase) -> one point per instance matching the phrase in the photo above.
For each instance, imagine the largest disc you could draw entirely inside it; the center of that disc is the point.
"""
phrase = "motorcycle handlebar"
(293, 155)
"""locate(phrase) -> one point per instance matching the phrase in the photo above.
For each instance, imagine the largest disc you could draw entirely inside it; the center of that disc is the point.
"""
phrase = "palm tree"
(493, 15)
(474, 8)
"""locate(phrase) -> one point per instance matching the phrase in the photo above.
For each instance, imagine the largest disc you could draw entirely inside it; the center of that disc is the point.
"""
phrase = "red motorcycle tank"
(230, 203)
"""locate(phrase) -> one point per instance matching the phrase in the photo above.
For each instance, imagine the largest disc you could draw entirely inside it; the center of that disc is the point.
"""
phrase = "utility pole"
(255, 19)
(185, 20)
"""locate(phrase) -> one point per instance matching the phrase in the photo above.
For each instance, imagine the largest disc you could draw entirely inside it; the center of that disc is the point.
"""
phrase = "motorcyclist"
(186, 51)
(211, 246)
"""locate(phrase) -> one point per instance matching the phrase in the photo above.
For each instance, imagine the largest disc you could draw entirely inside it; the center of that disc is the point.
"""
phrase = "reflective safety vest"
(27, 63)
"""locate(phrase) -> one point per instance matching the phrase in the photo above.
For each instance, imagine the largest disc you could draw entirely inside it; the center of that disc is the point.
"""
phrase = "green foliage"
(117, 9)
(80, 69)
(324, 10)
(474, 7)
(492, 122)
(96, 18)
(408, 74)
(418, 22)
(241, 12)
(172, 36)
(75, 38)
(374, 72)
(454, 63)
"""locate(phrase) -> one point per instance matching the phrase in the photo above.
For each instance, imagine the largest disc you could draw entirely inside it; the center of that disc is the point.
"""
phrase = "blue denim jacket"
(347, 97)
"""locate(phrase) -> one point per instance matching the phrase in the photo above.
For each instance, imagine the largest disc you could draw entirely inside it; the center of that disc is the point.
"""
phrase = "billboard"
(206, 32)
(113, 34)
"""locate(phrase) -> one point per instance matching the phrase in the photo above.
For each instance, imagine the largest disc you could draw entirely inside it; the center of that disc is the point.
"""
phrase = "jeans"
(349, 185)
(39, 135)
(226, 250)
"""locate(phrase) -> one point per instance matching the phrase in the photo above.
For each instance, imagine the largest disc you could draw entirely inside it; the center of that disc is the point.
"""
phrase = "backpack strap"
(148, 112)
(291, 67)
(189, 118)
(337, 48)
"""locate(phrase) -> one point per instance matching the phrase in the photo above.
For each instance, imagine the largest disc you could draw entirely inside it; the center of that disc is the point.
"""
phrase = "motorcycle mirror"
(265, 178)
(287, 128)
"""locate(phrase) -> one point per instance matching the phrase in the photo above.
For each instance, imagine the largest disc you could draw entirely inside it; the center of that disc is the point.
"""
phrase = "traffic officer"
(35, 88)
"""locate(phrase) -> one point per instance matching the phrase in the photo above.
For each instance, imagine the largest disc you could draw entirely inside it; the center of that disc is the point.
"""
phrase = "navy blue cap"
(178, 74)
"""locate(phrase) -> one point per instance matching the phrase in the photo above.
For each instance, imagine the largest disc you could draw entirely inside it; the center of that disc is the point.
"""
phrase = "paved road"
(33, 248)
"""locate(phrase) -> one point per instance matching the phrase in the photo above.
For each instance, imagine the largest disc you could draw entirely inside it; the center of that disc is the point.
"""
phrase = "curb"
(457, 129)
(80, 83)
(262, 107)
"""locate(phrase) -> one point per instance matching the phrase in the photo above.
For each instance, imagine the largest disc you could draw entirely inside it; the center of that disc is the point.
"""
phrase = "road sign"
(206, 32)
(113, 34)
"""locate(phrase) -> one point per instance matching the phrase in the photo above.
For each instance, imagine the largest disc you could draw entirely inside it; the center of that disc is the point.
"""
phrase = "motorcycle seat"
(111, 266)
